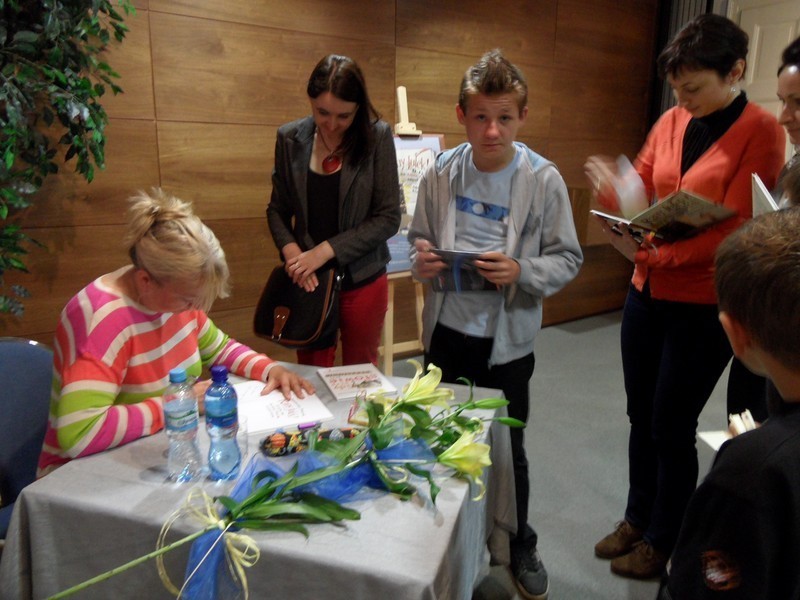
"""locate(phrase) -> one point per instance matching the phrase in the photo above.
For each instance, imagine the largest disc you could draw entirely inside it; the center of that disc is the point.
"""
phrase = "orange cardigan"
(683, 271)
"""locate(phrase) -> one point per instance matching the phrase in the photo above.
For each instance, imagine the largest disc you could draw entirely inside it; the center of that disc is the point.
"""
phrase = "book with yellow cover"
(678, 216)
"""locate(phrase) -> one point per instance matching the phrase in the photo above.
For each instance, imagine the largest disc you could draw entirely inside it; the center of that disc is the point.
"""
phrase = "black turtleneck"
(704, 131)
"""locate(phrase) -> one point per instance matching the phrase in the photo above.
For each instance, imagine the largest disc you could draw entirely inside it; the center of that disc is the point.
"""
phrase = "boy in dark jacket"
(741, 533)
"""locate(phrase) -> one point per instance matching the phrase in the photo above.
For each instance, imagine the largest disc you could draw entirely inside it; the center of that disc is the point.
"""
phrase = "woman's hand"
(427, 263)
(200, 388)
(287, 381)
(601, 171)
(498, 268)
(302, 266)
(620, 238)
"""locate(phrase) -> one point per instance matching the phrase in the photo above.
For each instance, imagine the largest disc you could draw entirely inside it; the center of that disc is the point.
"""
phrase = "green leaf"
(510, 421)
(428, 475)
(272, 526)
(26, 36)
(333, 508)
(420, 416)
(229, 503)
(490, 403)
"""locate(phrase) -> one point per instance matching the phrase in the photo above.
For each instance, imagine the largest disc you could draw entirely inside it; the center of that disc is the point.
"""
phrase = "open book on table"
(678, 216)
(348, 381)
(461, 274)
(273, 411)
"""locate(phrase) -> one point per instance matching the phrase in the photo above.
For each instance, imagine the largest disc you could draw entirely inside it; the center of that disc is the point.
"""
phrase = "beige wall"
(208, 82)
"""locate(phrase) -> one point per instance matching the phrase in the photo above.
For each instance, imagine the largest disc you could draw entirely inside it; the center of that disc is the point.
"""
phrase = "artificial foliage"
(53, 76)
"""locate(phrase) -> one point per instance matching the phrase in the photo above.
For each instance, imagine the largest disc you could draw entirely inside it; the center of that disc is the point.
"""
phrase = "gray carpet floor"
(577, 448)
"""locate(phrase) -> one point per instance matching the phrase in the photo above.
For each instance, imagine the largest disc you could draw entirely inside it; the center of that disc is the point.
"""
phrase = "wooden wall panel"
(598, 106)
(251, 257)
(71, 258)
(601, 286)
(523, 29)
(225, 169)
(348, 18)
(67, 200)
(606, 36)
(218, 72)
(132, 61)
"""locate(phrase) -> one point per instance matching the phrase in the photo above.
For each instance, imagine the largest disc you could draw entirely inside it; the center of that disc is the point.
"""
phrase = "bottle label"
(181, 421)
(223, 421)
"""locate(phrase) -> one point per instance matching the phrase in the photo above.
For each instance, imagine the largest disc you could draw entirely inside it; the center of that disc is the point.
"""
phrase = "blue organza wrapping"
(213, 580)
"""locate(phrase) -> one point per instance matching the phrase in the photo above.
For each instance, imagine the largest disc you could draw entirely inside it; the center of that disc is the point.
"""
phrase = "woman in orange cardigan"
(673, 347)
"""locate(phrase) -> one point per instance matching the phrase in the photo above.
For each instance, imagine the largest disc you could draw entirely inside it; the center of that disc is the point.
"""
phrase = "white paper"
(763, 202)
(715, 439)
(273, 411)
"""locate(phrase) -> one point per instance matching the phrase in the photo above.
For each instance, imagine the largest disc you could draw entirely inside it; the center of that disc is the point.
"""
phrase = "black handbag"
(294, 318)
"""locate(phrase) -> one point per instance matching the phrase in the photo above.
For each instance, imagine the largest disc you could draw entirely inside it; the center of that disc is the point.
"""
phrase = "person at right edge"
(740, 538)
(673, 347)
(495, 196)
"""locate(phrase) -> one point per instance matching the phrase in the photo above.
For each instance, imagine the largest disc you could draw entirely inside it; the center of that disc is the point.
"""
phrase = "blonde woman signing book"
(673, 347)
(118, 337)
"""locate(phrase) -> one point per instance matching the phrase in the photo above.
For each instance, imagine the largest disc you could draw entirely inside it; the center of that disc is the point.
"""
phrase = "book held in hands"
(461, 274)
(348, 381)
(678, 216)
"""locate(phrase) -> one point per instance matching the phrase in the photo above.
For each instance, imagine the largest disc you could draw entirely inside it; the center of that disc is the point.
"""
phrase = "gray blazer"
(369, 199)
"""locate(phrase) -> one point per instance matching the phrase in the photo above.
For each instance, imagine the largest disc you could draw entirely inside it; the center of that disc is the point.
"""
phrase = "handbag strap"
(280, 316)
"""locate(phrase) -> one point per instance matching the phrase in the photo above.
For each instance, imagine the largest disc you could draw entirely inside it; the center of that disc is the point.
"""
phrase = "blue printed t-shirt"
(481, 224)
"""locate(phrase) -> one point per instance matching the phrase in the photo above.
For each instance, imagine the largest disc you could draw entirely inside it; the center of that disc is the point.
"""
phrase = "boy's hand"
(498, 268)
(427, 263)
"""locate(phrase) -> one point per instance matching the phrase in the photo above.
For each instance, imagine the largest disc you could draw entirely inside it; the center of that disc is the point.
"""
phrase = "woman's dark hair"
(790, 56)
(342, 77)
(706, 42)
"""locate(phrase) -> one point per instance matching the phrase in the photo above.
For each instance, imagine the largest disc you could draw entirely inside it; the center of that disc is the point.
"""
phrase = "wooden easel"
(409, 143)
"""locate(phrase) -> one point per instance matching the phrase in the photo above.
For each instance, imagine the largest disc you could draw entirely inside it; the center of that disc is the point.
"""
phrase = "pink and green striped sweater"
(112, 359)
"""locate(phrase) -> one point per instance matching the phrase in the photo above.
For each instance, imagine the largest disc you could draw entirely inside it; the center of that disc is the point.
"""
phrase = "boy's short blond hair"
(493, 74)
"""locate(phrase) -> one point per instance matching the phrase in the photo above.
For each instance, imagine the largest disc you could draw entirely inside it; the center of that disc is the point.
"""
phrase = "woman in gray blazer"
(335, 201)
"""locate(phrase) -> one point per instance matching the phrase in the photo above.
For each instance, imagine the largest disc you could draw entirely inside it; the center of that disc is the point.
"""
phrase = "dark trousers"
(672, 356)
(459, 355)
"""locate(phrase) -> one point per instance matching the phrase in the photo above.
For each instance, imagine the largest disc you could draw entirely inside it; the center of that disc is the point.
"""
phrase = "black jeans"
(672, 356)
(459, 355)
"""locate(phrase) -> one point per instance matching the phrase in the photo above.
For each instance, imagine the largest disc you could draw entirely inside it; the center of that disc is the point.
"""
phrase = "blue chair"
(26, 374)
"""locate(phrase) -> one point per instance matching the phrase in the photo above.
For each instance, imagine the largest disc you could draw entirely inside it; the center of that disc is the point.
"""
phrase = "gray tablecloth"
(96, 513)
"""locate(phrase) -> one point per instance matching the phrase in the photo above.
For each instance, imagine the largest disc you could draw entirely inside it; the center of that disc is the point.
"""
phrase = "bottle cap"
(177, 375)
(219, 373)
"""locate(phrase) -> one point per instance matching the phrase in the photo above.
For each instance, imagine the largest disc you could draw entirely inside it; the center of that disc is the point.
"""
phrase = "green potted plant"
(53, 77)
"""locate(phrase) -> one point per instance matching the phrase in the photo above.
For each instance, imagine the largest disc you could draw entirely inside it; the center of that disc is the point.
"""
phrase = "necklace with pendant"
(332, 162)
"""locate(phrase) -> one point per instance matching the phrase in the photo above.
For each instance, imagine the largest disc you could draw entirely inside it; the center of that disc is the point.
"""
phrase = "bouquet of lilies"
(404, 440)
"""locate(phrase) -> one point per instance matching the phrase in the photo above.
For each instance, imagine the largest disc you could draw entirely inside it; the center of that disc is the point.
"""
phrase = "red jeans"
(361, 315)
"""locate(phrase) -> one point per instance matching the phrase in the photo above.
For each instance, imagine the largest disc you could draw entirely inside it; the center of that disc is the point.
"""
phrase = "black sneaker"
(529, 574)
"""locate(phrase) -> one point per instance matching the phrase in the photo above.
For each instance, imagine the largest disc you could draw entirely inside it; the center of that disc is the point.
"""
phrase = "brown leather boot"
(643, 562)
(618, 542)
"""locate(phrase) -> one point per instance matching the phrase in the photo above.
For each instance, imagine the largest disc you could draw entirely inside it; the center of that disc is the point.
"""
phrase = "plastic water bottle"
(222, 424)
(180, 418)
